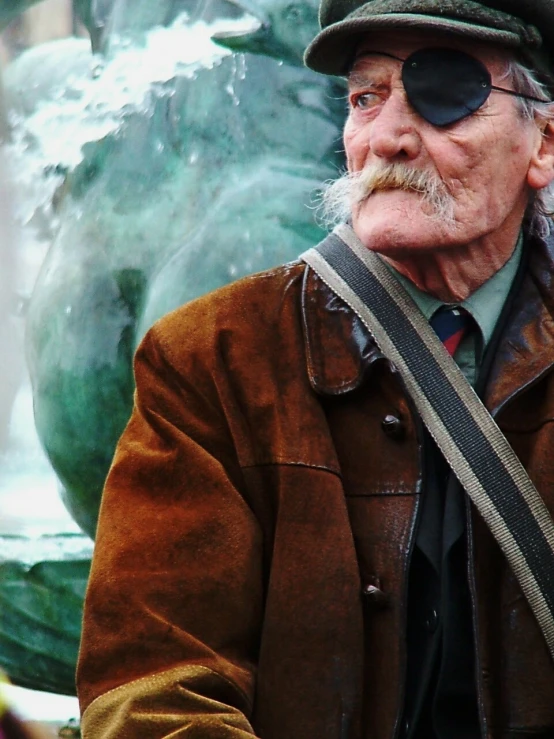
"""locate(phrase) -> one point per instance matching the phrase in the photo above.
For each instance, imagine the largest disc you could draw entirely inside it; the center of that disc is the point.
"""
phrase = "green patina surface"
(40, 622)
(212, 184)
(211, 181)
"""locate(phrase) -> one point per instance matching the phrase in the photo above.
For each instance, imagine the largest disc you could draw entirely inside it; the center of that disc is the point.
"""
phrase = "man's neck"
(452, 274)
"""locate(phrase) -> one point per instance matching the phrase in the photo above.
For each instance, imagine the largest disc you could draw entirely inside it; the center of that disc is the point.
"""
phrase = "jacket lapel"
(340, 351)
(526, 349)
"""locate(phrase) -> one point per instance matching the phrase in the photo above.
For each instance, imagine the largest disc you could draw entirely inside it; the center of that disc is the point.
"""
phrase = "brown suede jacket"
(255, 532)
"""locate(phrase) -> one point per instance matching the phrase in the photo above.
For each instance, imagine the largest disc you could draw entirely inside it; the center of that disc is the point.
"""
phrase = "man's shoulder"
(253, 296)
(250, 309)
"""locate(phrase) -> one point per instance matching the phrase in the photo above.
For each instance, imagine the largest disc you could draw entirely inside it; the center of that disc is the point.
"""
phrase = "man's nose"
(394, 133)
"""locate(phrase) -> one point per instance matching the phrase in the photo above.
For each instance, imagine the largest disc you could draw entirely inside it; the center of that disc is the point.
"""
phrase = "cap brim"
(333, 50)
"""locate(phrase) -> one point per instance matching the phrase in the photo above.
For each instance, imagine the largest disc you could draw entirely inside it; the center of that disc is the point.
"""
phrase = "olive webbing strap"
(472, 444)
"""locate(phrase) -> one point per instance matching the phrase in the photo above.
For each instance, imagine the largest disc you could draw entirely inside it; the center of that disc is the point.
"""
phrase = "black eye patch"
(446, 85)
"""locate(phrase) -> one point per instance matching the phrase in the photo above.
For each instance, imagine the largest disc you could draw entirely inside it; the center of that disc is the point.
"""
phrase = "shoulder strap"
(472, 444)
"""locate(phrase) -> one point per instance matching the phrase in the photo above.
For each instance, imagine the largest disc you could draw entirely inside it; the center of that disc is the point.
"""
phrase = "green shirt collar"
(485, 304)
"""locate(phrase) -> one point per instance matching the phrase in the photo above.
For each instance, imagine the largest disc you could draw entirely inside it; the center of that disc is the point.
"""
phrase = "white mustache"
(378, 177)
(340, 195)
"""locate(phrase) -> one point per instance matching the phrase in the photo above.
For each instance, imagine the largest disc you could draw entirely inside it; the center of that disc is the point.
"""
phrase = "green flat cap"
(527, 26)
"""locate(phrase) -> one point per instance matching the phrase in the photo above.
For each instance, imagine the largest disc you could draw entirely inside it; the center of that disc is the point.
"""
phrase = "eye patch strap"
(519, 94)
(446, 85)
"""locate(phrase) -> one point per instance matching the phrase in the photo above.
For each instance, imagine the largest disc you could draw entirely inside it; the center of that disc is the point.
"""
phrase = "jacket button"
(393, 427)
(374, 594)
(432, 621)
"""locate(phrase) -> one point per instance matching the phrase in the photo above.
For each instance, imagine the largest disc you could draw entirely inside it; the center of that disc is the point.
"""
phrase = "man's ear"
(541, 166)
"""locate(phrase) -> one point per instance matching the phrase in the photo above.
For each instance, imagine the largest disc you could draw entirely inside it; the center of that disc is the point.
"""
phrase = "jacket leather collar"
(340, 350)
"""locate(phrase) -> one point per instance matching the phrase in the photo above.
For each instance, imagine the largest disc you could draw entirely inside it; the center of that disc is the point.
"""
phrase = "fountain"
(180, 150)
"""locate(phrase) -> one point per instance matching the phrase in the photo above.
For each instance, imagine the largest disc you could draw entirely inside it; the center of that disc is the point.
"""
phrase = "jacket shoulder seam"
(290, 463)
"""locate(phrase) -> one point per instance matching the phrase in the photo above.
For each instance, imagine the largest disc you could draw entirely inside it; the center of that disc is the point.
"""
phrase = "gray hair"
(528, 82)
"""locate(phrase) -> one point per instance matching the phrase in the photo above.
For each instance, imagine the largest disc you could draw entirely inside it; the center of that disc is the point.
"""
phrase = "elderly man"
(282, 550)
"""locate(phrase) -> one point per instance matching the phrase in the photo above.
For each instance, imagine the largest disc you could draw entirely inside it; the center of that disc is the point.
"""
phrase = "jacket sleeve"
(173, 609)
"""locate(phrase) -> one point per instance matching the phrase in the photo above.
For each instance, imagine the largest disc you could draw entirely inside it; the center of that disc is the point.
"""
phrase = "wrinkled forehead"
(377, 50)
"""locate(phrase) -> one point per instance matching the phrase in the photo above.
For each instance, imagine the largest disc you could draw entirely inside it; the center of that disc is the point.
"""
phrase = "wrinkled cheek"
(475, 211)
(471, 199)
(356, 148)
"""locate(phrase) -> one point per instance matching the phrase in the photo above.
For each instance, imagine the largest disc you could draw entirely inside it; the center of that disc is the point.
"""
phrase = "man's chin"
(391, 237)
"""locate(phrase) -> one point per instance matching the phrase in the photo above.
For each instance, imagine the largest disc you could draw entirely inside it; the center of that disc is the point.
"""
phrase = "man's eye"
(365, 100)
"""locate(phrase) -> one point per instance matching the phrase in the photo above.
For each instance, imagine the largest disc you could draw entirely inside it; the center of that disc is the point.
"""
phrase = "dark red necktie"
(451, 324)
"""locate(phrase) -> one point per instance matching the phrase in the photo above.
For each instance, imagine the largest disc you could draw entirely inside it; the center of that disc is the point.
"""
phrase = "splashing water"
(49, 142)
(93, 109)
(83, 105)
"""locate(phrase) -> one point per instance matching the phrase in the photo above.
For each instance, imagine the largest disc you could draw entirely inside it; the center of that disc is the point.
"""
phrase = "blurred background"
(23, 508)
(150, 151)
(29, 498)
(50, 20)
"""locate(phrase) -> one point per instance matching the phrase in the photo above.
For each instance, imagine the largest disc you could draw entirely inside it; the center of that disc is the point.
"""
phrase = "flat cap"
(527, 26)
